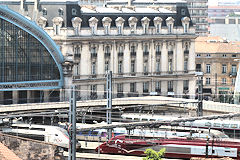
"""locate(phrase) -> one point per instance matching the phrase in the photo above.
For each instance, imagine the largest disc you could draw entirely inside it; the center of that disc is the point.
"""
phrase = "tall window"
(158, 86)
(170, 69)
(233, 81)
(145, 87)
(106, 66)
(106, 29)
(132, 87)
(208, 68)
(119, 90)
(77, 52)
(224, 68)
(158, 49)
(158, 65)
(93, 94)
(185, 28)
(170, 28)
(234, 68)
(158, 28)
(208, 81)
(133, 66)
(185, 65)
(170, 86)
(119, 28)
(93, 71)
(185, 85)
(93, 30)
(145, 66)
(119, 66)
(224, 80)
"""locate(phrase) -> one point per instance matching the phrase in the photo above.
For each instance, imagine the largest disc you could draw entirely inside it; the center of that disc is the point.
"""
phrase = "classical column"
(164, 57)
(164, 87)
(85, 60)
(192, 88)
(179, 61)
(100, 59)
(126, 59)
(114, 58)
(191, 57)
(46, 96)
(15, 97)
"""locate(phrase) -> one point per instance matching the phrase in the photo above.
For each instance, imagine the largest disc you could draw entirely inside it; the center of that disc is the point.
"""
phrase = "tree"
(153, 155)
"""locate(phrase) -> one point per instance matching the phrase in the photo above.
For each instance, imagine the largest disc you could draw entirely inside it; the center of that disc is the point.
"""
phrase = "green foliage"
(153, 155)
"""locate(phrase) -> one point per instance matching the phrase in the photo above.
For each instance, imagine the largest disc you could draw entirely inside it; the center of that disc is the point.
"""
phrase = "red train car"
(175, 147)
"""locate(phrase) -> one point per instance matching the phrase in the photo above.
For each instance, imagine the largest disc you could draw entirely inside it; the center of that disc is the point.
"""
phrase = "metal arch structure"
(34, 30)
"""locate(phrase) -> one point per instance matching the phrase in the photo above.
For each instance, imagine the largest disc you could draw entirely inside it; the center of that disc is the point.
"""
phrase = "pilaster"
(100, 59)
(85, 60)
(126, 58)
(179, 56)
(164, 57)
(139, 58)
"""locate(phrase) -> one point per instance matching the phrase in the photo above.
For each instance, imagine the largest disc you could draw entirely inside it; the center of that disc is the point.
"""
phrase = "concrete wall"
(28, 149)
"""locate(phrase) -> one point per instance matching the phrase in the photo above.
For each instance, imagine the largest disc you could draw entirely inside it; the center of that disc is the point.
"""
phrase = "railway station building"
(151, 51)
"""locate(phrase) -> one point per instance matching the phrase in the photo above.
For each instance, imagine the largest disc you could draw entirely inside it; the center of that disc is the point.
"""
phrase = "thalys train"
(50, 134)
(175, 147)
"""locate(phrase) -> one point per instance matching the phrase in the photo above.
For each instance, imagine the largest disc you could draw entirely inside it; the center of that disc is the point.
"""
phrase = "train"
(229, 127)
(51, 134)
(175, 147)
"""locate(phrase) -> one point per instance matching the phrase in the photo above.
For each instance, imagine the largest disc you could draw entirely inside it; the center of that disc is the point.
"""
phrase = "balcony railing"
(93, 55)
(133, 53)
(146, 53)
(120, 54)
(107, 54)
(233, 74)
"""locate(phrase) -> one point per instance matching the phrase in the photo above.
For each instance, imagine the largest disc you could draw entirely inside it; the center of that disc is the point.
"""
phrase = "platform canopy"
(29, 58)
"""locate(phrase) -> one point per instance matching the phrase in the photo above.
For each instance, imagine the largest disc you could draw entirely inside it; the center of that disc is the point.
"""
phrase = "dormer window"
(132, 24)
(170, 23)
(76, 23)
(145, 23)
(106, 24)
(93, 25)
(158, 24)
(119, 23)
(44, 11)
(60, 12)
(185, 23)
(57, 24)
(74, 12)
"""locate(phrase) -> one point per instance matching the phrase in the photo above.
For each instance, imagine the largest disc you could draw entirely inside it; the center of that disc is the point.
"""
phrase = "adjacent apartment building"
(149, 50)
(217, 59)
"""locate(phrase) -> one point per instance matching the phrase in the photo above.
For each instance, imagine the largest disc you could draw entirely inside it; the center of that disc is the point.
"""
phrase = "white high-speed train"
(50, 134)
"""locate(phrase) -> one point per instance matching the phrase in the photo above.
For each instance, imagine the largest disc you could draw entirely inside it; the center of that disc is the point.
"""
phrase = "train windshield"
(64, 132)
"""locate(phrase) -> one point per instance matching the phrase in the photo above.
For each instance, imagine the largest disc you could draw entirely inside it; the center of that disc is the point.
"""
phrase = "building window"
(170, 26)
(158, 65)
(93, 94)
(60, 12)
(234, 68)
(93, 30)
(107, 51)
(224, 81)
(158, 86)
(170, 69)
(185, 28)
(119, 90)
(208, 68)
(145, 87)
(106, 66)
(158, 28)
(224, 68)
(208, 81)
(133, 51)
(185, 65)
(198, 67)
(185, 85)
(233, 81)
(74, 12)
(145, 66)
(234, 55)
(198, 55)
(224, 55)
(119, 66)
(77, 52)
(132, 87)
(44, 11)
(208, 55)
(106, 30)
(119, 30)
(93, 71)
(133, 66)
(77, 69)
(170, 86)
(158, 49)
(93, 52)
